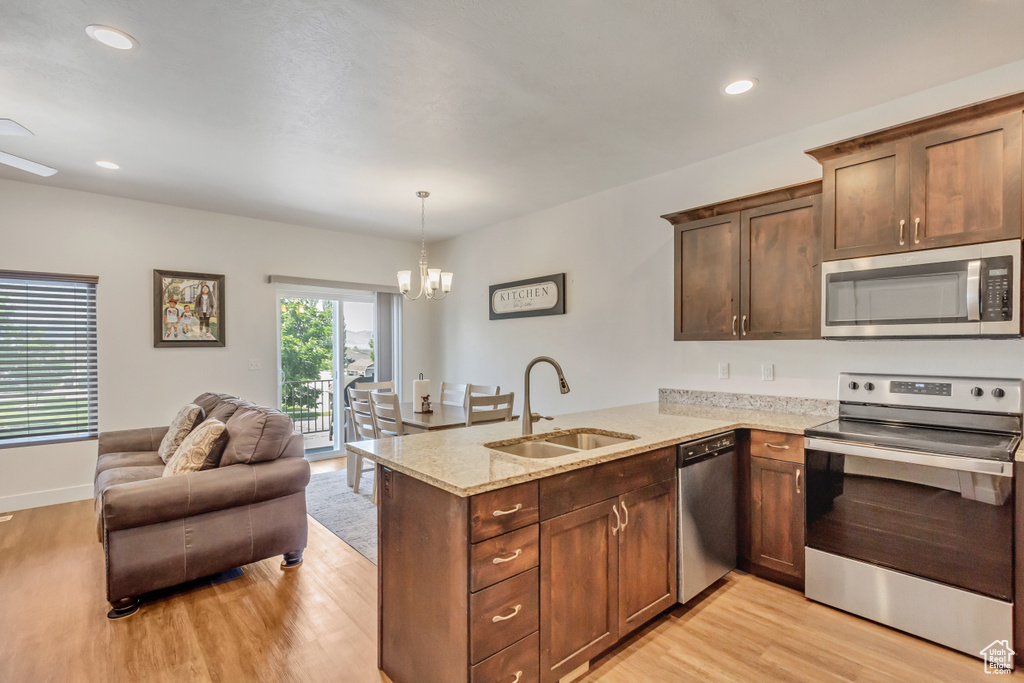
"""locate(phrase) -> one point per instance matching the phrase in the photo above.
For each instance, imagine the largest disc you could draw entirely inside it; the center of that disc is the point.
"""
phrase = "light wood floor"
(318, 623)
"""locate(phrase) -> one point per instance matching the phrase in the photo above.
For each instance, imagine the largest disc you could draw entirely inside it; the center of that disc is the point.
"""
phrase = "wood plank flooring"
(318, 623)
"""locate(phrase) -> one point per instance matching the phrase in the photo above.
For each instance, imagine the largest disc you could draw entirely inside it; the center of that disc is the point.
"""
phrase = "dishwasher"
(707, 512)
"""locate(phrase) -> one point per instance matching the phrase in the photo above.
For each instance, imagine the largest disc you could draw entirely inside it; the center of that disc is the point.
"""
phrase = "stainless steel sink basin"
(535, 449)
(560, 443)
(584, 441)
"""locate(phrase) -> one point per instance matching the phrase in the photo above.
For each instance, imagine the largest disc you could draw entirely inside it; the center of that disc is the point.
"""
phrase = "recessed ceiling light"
(108, 164)
(740, 86)
(111, 37)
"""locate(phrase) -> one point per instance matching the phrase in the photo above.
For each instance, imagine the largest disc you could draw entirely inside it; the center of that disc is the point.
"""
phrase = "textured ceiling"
(333, 113)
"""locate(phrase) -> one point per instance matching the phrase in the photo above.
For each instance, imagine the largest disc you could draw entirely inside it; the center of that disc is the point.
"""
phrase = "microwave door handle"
(974, 290)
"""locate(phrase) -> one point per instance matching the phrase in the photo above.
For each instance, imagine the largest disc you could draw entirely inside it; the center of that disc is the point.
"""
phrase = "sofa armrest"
(141, 503)
(128, 440)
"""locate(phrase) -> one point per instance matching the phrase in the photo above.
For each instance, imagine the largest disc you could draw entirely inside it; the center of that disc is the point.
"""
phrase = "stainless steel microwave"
(970, 291)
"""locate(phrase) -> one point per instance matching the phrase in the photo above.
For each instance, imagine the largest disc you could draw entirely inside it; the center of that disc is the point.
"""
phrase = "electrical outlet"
(723, 371)
(255, 364)
(386, 483)
(767, 372)
(6, 518)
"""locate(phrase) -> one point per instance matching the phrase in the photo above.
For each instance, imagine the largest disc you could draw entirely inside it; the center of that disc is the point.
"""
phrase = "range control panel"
(978, 394)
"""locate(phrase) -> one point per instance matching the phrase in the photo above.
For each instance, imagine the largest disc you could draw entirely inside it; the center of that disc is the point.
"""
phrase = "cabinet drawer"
(576, 490)
(496, 512)
(501, 557)
(502, 614)
(515, 664)
(777, 446)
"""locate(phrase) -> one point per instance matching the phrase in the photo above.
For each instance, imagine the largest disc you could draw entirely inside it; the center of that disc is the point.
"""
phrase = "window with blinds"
(47, 358)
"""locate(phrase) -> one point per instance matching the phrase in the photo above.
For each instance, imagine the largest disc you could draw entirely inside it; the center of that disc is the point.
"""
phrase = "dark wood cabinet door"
(865, 197)
(780, 270)
(647, 554)
(966, 183)
(707, 279)
(579, 588)
(777, 515)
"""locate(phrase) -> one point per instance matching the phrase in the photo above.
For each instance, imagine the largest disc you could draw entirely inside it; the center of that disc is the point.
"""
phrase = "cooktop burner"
(968, 444)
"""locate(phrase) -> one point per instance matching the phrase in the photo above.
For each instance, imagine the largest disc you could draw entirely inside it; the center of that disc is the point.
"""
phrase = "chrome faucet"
(563, 386)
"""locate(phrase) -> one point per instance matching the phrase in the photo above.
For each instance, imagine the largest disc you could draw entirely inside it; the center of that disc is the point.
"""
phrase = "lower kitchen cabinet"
(771, 506)
(605, 570)
(777, 515)
(527, 582)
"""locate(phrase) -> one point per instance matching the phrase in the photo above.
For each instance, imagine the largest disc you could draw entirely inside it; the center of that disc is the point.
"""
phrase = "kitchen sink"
(560, 443)
(585, 440)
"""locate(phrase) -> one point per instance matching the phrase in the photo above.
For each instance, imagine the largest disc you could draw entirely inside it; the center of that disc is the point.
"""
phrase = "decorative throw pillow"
(201, 450)
(181, 425)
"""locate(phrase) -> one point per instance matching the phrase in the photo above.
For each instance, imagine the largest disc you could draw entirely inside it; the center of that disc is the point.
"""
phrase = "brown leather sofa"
(162, 531)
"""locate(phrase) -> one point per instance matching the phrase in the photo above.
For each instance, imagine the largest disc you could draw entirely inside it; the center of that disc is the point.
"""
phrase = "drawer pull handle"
(618, 521)
(499, 560)
(519, 674)
(626, 521)
(517, 508)
(917, 229)
(498, 617)
(783, 447)
(798, 480)
(902, 223)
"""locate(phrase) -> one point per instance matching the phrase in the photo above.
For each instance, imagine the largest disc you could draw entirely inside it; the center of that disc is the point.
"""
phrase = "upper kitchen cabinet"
(748, 268)
(947, 180)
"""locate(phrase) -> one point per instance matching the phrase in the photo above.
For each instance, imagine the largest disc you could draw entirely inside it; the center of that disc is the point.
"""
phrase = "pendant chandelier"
(433, 283)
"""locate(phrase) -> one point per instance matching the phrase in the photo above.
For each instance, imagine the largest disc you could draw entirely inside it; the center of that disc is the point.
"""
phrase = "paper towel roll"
(420, 388)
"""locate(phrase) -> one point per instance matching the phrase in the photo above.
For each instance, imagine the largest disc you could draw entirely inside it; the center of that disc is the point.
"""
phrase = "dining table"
(442, 416)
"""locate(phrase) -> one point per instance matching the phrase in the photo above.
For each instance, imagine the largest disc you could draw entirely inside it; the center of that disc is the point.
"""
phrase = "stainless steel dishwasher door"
(707, 522)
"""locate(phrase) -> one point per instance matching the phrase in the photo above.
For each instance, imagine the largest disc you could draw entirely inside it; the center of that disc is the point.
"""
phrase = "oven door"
(941, 518)
(960, 291)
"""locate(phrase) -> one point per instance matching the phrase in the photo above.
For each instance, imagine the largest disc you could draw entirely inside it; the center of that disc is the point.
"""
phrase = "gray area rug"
(352, 517)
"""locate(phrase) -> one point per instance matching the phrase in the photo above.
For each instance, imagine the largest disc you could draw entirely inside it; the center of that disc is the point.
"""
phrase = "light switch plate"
(767, 372)
(723, 371)
(255, 364)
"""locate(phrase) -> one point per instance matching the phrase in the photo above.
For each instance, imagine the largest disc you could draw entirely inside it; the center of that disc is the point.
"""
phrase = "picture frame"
(180, 300)
(534, 296)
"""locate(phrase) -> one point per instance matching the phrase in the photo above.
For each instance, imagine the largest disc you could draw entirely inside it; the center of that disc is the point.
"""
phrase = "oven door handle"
(974, 290)
(999, 469)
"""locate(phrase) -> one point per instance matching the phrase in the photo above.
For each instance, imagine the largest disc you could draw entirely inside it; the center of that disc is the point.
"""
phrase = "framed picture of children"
(188, 309)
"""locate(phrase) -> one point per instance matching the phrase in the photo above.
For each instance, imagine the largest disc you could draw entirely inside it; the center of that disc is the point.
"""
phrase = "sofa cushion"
(110, 461)
(255, 434)
(224, 410)
(210, 400)
(120, 475)
(181, 425)
(201, 450)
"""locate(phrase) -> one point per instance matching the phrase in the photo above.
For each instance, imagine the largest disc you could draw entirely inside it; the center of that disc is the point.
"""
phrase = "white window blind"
(47, 358)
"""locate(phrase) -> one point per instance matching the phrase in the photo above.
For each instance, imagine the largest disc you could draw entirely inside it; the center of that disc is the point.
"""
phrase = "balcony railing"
(310, 404)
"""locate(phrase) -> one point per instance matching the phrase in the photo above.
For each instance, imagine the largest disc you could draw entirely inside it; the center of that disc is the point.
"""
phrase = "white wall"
(615, 340)
(122, 241)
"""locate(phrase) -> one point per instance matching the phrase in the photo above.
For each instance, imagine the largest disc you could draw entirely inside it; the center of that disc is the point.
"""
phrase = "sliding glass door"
(327, 343)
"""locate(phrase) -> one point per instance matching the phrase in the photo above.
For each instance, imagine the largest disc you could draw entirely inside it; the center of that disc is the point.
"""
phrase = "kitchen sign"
(525, 298)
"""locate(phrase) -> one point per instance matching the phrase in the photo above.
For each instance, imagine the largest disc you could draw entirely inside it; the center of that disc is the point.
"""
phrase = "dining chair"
(489, 408)
(454, 394)
(360, 413)
(387, 413)
(483, 390)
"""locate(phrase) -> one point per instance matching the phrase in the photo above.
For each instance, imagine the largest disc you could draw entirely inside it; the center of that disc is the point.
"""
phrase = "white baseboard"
(37, 499)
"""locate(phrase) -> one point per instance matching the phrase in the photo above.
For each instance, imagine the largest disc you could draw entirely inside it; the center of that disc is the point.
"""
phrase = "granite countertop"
(457, 461)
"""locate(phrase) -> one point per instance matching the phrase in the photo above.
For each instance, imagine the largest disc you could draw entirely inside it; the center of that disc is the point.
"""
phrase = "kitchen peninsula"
(494, 565)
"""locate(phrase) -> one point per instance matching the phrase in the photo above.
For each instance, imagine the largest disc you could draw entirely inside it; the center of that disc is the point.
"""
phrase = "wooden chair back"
(387, 413)
(489, 408)
(483, 390)
(454, 394)
(361, 414)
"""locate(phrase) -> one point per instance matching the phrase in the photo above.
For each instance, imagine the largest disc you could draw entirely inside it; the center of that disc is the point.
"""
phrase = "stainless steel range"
(910, 505)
